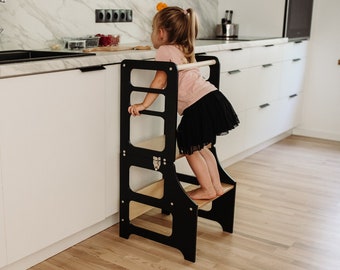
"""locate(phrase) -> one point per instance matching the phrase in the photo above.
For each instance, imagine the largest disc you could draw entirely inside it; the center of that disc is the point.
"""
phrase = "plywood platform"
(156, 190)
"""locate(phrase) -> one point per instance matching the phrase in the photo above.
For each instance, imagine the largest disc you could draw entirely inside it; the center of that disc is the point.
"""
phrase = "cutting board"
(116, 48)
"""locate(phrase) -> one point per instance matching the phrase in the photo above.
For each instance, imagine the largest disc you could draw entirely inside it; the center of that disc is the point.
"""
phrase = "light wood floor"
(287, 217)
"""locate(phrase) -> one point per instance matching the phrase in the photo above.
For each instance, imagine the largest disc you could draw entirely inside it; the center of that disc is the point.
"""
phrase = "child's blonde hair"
(181, 26)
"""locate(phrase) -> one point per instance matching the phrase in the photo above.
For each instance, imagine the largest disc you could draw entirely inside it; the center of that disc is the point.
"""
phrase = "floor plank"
(287, 217)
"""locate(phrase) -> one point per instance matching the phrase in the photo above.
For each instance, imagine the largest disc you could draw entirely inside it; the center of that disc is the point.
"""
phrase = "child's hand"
(136, 108)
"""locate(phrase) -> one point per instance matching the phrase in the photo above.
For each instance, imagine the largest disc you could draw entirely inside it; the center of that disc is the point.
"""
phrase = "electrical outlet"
(122, 15)
(113, 15)
(108, 15)
(128, 15)
(100, 15)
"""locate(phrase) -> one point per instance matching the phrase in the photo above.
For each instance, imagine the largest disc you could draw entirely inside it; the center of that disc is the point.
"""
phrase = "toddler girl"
(205, 111)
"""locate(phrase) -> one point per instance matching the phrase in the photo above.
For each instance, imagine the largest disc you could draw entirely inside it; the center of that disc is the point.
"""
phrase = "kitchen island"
(59, 137)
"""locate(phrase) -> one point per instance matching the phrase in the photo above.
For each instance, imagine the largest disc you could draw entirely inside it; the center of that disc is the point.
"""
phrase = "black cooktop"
(239, 38)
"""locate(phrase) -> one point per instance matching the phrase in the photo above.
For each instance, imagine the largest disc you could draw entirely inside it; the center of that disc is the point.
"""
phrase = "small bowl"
(56, 44)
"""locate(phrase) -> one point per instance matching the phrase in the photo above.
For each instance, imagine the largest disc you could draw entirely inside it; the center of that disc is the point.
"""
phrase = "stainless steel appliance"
(227, 29)
(298, 19)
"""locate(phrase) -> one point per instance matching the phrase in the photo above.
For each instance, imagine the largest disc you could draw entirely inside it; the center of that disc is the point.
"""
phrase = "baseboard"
(60, 246)
(316, 134)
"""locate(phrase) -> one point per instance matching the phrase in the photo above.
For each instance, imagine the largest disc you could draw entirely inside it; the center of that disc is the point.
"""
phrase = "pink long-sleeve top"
(191, 85)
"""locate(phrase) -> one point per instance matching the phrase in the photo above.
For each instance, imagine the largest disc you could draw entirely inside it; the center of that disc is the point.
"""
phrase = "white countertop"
(104, 58)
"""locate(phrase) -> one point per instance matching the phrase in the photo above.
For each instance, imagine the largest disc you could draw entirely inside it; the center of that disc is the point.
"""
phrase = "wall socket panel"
(113, 15)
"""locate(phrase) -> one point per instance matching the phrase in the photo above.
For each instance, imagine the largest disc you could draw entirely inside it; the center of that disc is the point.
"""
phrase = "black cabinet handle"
(91, 68)
(293, 96)
(231, 72)
(237, 49)
(267, 65)
(269, 45)
(296, 60)
(264, 105)
(202, 53)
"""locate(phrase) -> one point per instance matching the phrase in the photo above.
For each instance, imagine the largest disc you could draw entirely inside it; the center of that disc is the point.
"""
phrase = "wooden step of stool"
(156, 190)
(156, 144)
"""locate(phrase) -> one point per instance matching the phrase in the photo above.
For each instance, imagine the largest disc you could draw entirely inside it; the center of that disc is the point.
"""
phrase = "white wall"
(321, 111)
(255, 17)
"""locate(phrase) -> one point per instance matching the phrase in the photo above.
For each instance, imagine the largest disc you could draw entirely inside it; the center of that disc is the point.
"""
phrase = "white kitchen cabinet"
(292, 76)
(53, 150)
(289, 112)
(252, 85)
(233, 59)
(267, 54)
(295, 49)
(234, 85)
(294, 66)
(261, 104)
(260, 124)
(264, 84)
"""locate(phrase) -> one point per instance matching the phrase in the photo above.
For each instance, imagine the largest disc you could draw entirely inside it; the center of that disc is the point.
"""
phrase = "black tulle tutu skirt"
(209, 117)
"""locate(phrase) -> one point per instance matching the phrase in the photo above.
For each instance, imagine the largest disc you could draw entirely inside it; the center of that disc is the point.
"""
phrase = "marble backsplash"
(30, 24)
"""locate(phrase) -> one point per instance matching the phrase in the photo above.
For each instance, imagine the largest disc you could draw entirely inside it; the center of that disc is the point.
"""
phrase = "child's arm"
(159, 82)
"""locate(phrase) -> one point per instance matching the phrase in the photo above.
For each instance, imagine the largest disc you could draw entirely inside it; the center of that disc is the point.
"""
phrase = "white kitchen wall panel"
(262, 18)
(28, 24)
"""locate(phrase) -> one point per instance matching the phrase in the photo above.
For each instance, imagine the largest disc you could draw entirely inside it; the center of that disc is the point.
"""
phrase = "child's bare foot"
(202, 194)
(219, 190)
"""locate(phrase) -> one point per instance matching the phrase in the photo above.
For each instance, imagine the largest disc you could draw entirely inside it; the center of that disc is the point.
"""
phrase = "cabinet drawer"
(292, 76)
(260, 124)
(263, 84)
(289, 112)
(233, 59)
(266, 54)
(293, 50)
(234, 85)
